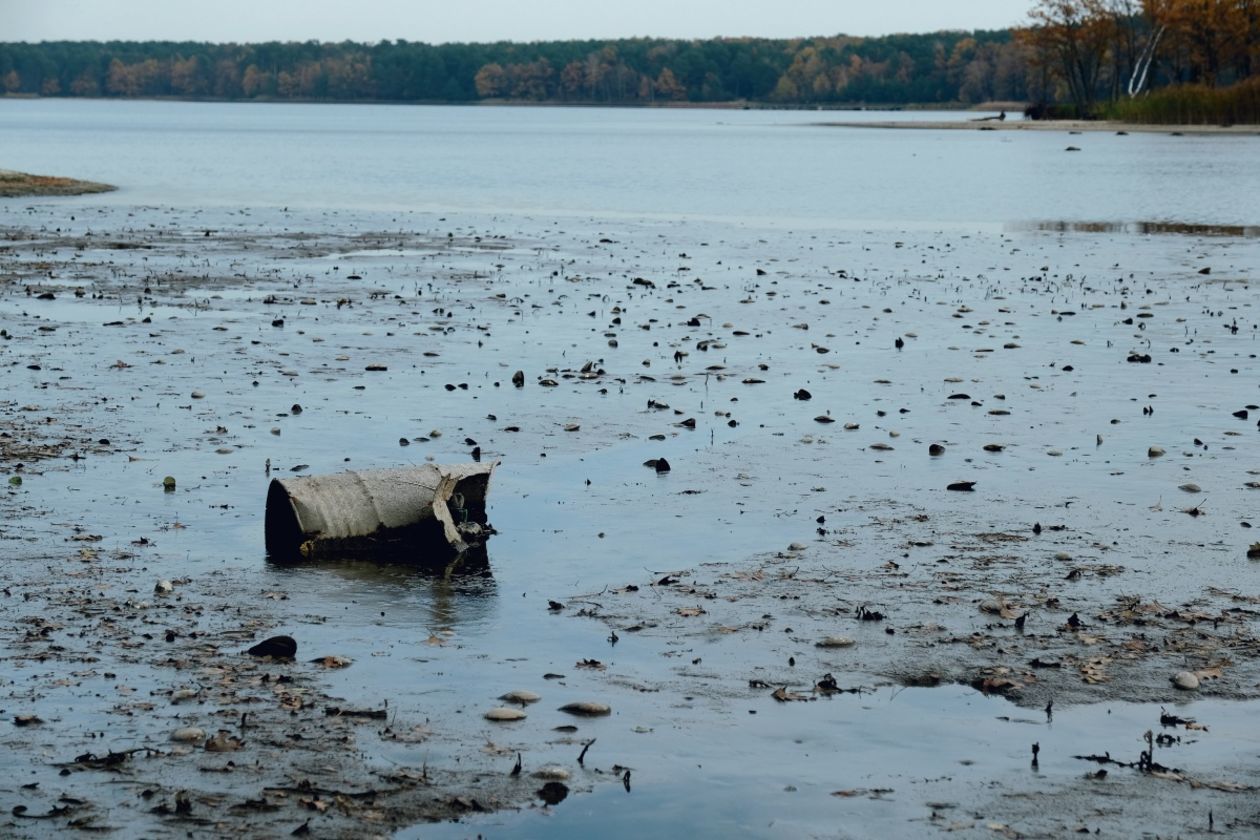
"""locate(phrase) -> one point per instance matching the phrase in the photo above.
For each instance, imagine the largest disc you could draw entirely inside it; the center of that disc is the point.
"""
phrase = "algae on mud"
(19, 184)
(673, 582)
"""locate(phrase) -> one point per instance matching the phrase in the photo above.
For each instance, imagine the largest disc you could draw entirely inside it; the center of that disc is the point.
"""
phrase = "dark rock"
(553, 793)
(277, 647)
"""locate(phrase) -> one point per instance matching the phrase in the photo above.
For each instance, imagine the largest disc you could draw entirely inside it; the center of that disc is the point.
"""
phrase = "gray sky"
(486, 20)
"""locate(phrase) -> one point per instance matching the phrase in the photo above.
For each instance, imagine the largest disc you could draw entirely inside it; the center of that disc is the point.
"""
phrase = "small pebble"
(587, 708)
(1186, 681)
(502, 714)
(521, 696)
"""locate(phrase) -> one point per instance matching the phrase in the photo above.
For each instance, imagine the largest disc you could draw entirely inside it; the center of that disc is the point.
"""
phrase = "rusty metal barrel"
(424, 513)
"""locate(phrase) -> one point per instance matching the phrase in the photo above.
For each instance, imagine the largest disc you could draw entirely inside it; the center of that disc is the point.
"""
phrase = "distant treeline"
(944, 67)
(1151, 59)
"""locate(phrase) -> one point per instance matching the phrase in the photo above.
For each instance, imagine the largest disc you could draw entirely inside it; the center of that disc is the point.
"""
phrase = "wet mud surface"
(798, 626)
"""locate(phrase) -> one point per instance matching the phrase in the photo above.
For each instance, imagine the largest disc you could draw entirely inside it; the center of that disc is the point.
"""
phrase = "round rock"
(1186, 681)
(521, 696)
(502, 714)
(834, 642)
(189, 735)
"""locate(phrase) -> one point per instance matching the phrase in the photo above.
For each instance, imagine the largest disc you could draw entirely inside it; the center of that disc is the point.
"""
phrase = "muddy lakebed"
(798, 628)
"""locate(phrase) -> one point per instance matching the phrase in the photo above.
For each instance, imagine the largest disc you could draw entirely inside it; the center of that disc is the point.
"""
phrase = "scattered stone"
(277, 647)
(587, 708)
(553, 793)
(1186, 681)
(520, 696)
(503, 714)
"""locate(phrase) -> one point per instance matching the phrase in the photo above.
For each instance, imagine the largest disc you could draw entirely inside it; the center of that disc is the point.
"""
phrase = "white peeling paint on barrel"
(359, 508)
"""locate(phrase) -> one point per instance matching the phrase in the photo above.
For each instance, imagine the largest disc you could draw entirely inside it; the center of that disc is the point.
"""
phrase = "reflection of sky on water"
(773, 168)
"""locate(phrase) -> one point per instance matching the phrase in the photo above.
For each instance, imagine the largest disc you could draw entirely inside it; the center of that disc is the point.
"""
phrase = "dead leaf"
(223, 741)
(784, 696)
(333, 661)
(1094, 671)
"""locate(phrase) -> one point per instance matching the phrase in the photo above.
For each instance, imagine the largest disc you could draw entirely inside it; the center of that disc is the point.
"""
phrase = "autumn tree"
(491, 81)
(668, 87)
(1074, 37)
(1211, 35)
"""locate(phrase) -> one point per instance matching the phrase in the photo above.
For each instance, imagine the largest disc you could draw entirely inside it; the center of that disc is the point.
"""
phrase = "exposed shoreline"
(1071, 126)
(21, 184)
(815, 572)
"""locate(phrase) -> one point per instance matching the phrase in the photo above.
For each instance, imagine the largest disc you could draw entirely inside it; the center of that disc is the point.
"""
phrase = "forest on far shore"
(937, 68)
(1076, 57)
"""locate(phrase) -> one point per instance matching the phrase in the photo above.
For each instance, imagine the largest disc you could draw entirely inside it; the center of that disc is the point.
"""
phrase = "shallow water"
(770, 168)
(699, 758)
(901, 755)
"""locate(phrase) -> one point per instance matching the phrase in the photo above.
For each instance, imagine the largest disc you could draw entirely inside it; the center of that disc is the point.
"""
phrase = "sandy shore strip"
(16, 184)
(1071, 126)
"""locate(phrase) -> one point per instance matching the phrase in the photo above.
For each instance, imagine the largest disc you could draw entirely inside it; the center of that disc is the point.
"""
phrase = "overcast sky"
(486, 20)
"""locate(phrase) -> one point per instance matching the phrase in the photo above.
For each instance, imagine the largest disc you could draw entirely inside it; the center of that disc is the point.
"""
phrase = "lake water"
(761, 167)
(1018, 273)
